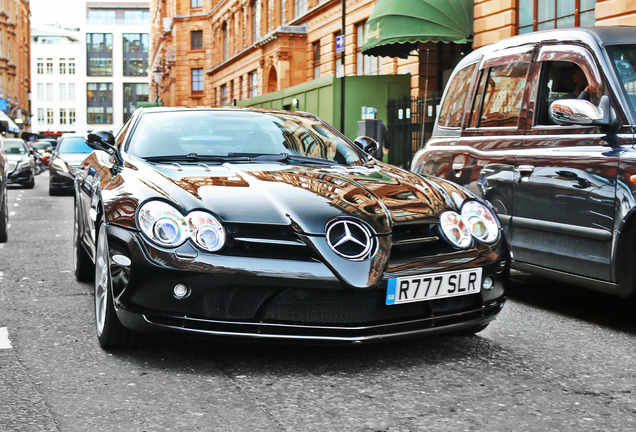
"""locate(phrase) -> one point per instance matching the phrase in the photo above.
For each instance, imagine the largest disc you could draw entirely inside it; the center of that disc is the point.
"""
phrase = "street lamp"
(156, 76)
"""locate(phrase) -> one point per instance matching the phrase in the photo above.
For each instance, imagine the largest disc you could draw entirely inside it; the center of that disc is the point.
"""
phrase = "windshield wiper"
(193, 157)
(285, 157)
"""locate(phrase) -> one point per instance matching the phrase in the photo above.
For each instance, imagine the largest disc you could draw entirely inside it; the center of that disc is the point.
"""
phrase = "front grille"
(299, 306)
(416, 240)
(266, 241)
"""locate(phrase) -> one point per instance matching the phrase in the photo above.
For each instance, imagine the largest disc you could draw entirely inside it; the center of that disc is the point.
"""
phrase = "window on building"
(365, 64)
(49, 92)
(316, 49)
(550, 14)
(224, 95)
(253, 84)
(71, 91)
(300, 7)
(41, 116)
(49, 66)
(99, 53)
(240, 88)
(62, 91)
(197, 80)
(39, 66)
(135, 52)
(99, 99)
(62, 66)
(196, 3)
(196, 39)
(101, 17)
(40, 91)
(225, 42)
(255, 9)
(62, 116)
(50, 116)
(71, 66)
(133, 94)
(71, 116)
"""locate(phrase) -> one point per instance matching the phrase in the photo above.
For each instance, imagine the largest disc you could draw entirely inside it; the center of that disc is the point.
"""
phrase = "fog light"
(488, 283)
(180, 291)
(121, 260)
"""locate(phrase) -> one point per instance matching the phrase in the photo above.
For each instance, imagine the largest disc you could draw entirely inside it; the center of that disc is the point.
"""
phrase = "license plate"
(433, 286)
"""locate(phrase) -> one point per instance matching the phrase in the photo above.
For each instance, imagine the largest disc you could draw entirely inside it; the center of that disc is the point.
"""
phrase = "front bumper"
(60, 180)
(21, 175)
(232, 296)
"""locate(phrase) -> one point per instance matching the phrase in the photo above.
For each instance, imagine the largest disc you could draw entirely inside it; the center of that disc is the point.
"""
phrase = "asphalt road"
(558, 358)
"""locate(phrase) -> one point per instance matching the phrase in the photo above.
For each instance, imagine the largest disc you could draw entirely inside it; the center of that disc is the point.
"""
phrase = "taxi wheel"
(110, 331)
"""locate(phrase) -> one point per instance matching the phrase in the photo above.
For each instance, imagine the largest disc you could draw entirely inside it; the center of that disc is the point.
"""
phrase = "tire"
(30, 184)
(110, 331)
(4, 220)
(53, 191)
(83, 266)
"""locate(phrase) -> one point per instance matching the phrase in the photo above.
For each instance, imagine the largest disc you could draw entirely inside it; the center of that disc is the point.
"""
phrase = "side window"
(563, 80)
(503, 88)
(452, 111)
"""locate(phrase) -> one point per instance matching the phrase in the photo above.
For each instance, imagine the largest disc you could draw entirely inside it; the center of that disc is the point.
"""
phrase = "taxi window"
(500, 95)
(452, 111)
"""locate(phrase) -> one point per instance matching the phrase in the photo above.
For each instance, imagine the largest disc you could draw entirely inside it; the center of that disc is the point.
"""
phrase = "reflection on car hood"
(309, 197)
(72, 158)
(17, 157)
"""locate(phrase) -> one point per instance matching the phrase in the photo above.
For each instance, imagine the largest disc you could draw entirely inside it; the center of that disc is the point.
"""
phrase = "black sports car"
(271, 224)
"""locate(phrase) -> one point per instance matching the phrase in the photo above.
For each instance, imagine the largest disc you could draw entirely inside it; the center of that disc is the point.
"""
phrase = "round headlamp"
(206, 231)
(162, 223)
(454, 229)
(480, 221)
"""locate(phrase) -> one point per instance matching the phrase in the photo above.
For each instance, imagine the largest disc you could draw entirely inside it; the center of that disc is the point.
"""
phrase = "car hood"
(72, 158)
(17, 157)
(308, 197)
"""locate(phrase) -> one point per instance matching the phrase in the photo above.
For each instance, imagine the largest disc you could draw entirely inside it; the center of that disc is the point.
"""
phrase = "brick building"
(15, 78)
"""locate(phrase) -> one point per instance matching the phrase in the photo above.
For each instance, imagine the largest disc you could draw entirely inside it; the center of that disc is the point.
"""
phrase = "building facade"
(93, 77)
(15, 79)
(58, 82)
(215, 52)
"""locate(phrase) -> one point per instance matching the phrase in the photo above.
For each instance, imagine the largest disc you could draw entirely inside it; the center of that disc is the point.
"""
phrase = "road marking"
(11, 213)
(1, 274)
(5, 343)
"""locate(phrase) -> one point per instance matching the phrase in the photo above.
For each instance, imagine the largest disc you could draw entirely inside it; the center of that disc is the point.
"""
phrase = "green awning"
(395, 27)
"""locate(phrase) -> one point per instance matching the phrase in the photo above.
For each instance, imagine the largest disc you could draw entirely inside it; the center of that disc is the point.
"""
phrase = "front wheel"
(110, 332)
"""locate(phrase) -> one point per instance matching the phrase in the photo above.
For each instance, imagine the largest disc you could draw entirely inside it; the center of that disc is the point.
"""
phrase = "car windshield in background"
(73, 145)
(237, 133)
(14, 146)
(623, 59)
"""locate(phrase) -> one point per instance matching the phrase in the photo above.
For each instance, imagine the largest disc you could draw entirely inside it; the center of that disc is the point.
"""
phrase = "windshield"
(12, 146)
(73, 145)
(234, 133)
(623, 59)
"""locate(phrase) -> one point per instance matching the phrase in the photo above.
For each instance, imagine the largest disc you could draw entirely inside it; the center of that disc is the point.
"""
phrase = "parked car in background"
(63, 163)
(272, 225)
(542, 126)
(4, 203)
(44, 148)
(20, 165)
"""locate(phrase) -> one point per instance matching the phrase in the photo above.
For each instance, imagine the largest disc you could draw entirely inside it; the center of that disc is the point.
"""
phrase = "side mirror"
(367, 144)
(105, 141)
(581, 112)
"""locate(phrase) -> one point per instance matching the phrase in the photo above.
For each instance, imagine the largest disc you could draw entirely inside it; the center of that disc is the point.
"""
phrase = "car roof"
(602, 35)
(227, 109)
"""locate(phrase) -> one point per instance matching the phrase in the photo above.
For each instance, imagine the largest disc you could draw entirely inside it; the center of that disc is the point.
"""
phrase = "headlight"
(162, 223)
(480, 221)
(206, 231)
(454, 229)
(60, 165)
(24, 164)
(166, 226)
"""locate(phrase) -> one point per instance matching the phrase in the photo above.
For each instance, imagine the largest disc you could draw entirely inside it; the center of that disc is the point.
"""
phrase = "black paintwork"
(276, 271)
